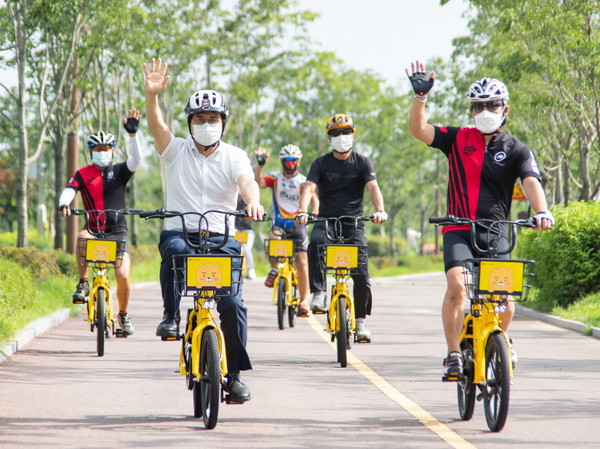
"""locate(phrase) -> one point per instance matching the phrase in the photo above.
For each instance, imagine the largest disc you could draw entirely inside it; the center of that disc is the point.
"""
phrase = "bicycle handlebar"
(337, 225)
(102, 213)
(490, 226)
(204, 245)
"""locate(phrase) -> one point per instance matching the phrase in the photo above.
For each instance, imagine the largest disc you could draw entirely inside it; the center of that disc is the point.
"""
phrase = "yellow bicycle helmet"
(339, 121)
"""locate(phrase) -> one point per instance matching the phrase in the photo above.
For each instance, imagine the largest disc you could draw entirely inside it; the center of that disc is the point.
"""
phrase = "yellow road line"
(441, 430)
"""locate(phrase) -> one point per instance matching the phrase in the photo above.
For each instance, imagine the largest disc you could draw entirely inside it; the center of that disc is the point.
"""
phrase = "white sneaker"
(251, 274)
(363, 334)
(317, 304)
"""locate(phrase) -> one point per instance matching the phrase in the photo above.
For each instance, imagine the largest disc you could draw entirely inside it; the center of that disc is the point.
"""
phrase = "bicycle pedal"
(319, 312)
(452, 378)
(230, 402)
(170, 338)
(363, 340)
(79, 301)
(120, 333)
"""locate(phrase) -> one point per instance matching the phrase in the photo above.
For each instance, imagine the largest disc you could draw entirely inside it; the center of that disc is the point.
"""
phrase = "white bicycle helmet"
(487, 89)
(206, 101)
(290, 151)
(101, 138)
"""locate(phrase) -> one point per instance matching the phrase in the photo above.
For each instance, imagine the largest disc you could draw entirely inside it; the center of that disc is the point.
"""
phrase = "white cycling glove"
(383, 216)
(546, 215)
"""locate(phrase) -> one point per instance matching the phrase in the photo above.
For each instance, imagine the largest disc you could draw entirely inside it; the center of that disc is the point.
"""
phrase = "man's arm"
(131, 124)
(377, 198)
(251, 196)
(535, 194)
(417, 123)
(261, 159)
(305, 198)
(64, 200)
(156, 81)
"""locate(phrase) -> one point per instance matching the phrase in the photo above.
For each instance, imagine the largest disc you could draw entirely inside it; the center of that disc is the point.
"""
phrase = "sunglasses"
(337, 132)
(489, 105)
(99, 148)
(289, 159)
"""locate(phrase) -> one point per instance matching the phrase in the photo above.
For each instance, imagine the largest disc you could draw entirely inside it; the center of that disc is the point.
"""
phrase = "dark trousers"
(232, 312)
(362, 283)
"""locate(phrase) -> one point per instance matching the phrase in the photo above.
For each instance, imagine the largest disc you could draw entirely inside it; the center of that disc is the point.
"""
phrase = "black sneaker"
(169, 326)
(125, 323)
(81, 292)
(237, 389)
(453, 365)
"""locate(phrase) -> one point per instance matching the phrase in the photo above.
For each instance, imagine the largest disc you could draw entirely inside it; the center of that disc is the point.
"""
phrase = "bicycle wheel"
(292, 310)
(100, 322)
(281, 303)
(497, 389)
(466, 388)
(342, 333)
(207, 392)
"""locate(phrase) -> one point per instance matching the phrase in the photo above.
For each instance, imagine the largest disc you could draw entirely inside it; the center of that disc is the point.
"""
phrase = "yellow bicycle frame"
(100, 281)
(478, 326)
(204, 318)
(287, 272)
(339, 289)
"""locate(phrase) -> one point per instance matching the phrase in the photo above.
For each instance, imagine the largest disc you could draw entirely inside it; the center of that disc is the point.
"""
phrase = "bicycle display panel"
(281, 248)
(208, 273)
(502, 277)
(101, 251)
(341, 256)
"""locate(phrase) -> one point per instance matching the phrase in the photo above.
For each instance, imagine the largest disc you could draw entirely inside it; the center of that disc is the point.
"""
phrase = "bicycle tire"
(207, 392)
(497, 389)
(466, 389)
(293, 310)
(281, 303)
(100, 321)
(342, 333)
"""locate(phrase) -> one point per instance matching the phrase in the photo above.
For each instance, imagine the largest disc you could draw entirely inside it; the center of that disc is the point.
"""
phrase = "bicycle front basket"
(94, 251)
(339, 257)
(508, 279)
(216, 274)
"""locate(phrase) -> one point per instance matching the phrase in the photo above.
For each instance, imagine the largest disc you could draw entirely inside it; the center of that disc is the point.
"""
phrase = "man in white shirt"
(202, 173)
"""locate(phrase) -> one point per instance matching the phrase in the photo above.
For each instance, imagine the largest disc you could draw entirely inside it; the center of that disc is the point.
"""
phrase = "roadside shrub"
(567, 257)
(42, 263)
(378, 246)
(17, 293)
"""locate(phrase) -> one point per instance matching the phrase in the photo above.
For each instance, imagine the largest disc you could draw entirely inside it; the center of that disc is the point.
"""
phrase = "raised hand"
(156, 81)
(418, 77)
(132, 121)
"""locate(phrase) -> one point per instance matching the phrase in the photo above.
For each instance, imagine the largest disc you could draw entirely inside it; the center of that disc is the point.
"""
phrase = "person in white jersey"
(287, 186)
(202, 173)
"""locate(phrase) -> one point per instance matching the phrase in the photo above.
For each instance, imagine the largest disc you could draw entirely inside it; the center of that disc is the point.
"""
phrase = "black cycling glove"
(131, 126)
(261, 159)
(421, 85)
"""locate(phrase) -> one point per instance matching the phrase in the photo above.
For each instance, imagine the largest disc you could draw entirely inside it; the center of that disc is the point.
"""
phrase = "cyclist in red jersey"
(102, 185)
(483, 163)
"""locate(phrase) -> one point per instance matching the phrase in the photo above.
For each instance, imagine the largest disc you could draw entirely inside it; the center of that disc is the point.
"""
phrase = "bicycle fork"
(479, 325)
(338, 292)
(100, 281)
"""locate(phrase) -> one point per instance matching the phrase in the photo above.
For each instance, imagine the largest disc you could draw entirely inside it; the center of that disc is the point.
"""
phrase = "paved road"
(57, 393)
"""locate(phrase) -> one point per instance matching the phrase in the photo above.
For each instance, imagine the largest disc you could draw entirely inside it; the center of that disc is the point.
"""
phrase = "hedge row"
(567, 257)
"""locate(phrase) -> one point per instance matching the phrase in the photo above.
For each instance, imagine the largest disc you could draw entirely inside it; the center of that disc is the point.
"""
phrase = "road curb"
(33, 330)
(41, 325)
(560, 322)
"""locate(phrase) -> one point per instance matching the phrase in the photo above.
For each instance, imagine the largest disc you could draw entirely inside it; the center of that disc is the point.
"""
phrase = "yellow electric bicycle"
(101, 254)
(340, 260)
(285, 291)
(490, 283)
(206, 277)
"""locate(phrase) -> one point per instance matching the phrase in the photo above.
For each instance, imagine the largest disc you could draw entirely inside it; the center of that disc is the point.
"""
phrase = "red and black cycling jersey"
(103, 188)
(482, 177)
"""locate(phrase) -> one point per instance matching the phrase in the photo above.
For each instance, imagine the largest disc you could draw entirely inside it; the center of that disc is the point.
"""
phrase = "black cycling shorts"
(457, 247)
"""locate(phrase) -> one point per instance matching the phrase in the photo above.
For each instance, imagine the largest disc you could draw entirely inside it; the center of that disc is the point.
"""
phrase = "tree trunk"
(59, 184)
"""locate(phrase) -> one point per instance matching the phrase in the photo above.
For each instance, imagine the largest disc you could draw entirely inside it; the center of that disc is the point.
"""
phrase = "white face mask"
(342, 143)
(488, 122)
(207, 134)
(102, 158)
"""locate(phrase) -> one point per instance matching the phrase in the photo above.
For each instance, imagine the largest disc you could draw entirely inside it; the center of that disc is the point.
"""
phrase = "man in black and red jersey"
(484, 163)
(103, 186)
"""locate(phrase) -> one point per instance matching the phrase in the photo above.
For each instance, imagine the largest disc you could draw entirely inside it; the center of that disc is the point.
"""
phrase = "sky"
(382, 35)
(387, 35)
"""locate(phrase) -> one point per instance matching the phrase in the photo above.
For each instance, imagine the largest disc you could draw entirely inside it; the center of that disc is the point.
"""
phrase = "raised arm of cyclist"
(156, 82)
